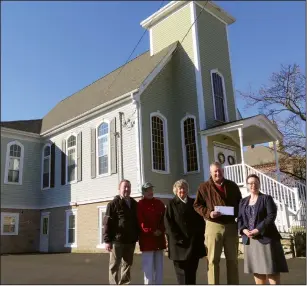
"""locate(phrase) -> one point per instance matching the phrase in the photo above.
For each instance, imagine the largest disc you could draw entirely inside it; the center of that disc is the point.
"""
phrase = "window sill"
(191, 173)
(161, 172)
(221, 121)
(12, 183)
(103, 175)
(7, 233)
(71, 183)
(47, 188)
(72, 245)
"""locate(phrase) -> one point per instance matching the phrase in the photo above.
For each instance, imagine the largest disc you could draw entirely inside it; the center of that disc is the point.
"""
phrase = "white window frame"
(6, 173)
(166, 147)
(76, 159)
(68, 213)
(109, 150)
(184, 153)
(224, 95)
(42, 168)
(16, 215)
(101, 209)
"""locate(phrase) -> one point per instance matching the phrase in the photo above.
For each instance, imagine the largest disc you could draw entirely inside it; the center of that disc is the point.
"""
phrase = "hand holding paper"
(224, 210)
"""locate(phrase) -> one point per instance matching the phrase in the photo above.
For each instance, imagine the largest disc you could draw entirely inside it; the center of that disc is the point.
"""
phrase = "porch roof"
(255, 129)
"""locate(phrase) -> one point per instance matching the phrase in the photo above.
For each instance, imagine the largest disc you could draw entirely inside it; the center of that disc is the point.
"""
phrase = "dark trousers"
(186, 271)
(121, 260)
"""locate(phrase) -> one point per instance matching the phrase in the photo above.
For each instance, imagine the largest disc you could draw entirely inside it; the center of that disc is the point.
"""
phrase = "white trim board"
(171, 7)
(20, 135)
(199, 90)
(225, 146)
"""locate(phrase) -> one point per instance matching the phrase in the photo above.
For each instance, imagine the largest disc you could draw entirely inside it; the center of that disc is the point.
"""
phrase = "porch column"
(242, 155)
(206, 164)
(276, 162)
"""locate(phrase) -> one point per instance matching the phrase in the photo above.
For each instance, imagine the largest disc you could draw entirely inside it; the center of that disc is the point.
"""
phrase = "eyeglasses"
(253, 183)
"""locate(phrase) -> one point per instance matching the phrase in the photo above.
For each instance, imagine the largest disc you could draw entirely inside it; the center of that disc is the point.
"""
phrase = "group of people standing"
(193, 229)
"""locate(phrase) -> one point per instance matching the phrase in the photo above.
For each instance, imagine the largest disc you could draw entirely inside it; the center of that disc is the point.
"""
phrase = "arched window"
(219, 96)
(159, 143)
(14, 163)
(103, 153)
(71, 163)
(46, 166)
(189, 144)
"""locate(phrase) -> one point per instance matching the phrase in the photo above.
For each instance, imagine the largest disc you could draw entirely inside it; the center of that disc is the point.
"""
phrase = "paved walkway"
(93, 269)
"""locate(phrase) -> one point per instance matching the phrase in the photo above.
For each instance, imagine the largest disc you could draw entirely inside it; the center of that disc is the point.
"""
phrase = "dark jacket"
(120, 222)
(185, 230)
(208, 197)
(151, 218)
(265, 211)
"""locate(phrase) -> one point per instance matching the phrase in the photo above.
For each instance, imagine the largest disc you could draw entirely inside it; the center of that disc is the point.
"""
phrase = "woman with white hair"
(185, 230)
(152, 235)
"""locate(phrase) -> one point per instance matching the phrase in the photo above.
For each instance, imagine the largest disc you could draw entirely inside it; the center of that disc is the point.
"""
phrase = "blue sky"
(50, 50)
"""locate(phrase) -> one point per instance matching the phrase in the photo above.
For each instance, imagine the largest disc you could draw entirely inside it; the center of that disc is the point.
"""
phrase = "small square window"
(9, 223)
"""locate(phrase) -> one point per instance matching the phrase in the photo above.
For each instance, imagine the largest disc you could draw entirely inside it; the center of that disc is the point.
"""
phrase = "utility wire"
(176, 49)
(133, 50)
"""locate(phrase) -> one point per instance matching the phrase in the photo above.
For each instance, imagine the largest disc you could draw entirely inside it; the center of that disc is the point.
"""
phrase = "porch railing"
(279, 191)
(234, 173)
(290, 182)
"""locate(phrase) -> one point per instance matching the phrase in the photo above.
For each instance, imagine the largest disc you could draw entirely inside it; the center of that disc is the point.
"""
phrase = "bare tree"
(283, 101)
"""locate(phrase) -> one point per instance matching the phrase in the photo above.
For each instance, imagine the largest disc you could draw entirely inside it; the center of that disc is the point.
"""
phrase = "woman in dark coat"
(185, 230)
(263, 252)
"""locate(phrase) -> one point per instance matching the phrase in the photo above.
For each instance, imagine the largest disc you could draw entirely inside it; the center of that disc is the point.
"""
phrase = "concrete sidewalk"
(75, 268)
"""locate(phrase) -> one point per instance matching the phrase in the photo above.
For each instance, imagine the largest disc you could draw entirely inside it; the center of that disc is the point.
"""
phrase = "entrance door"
(44, 233)
(226, 155)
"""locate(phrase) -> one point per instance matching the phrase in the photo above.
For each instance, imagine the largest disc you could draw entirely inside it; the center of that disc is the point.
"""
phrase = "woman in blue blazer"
(263, 252)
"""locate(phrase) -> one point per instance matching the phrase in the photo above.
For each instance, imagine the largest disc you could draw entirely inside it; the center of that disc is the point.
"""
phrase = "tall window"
(189, 145)
(46, 166)
(159, 144)
(9, 223)
(14, 163)
(71, 159)
(218, 91)
(103, 148)
(71, 228)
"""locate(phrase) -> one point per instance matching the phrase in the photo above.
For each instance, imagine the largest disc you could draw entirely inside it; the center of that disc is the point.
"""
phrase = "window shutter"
(79, 156)
(93, 153)
(52, 171)
(113, 143)
(63, 163)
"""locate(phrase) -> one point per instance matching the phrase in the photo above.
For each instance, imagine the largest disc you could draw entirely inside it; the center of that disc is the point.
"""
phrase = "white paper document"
(224, 210)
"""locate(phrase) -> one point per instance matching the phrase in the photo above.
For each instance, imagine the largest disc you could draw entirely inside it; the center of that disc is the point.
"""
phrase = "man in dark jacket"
(121, 233)
(221, 230)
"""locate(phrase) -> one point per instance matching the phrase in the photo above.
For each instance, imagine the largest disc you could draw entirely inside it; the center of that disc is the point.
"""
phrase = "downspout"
(139, 152)
(121, 145)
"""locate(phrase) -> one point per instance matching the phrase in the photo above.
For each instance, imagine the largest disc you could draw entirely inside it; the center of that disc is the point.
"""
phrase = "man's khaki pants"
(121, 259)
(218, 236)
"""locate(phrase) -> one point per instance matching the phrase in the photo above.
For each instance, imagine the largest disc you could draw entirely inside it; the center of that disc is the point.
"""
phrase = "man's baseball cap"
(147, 185)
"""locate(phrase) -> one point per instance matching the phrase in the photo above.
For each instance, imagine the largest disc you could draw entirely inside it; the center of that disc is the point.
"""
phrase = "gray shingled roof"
(130, 78)
(33, 126)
